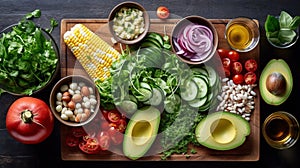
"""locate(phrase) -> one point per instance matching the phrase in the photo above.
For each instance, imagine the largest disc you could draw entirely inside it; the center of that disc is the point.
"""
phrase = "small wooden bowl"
(66, 81)
(198, 20)
(128, 4)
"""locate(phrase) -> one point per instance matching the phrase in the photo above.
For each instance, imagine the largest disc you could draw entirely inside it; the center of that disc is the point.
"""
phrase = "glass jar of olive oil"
(242, 34)
(281, 130)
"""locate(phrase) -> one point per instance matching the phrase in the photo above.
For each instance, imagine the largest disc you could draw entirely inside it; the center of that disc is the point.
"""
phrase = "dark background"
(47, 154)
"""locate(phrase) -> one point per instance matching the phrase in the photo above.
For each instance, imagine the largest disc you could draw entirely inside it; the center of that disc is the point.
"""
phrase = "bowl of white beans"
(74, 100)
(129, 22)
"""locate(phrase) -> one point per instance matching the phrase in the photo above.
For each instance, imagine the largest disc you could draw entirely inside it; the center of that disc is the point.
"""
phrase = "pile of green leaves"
(178, 130)
(27, 57)
(281, 30)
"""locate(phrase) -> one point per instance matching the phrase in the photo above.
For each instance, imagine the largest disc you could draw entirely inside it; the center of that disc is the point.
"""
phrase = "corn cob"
(93, 53)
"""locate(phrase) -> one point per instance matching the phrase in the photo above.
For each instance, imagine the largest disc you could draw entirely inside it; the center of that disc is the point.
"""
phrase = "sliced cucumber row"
(201, 89)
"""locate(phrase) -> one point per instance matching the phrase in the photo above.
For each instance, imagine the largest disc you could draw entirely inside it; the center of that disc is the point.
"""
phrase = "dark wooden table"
(47, 154)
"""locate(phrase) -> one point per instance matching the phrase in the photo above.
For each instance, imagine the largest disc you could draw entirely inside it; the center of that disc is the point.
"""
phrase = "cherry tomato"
(104, 125)
(162, 12)
(250, 78)
(251, 65)
(78, 132)
(90, 146)
(114, 116)
(104, 114)
(227, 72)
(238, 79)
(115, 136)
(72, 141)
(222, 52)
(226, 63)
(121, 126)
(104, 140)
(236, 67)
(233, 55)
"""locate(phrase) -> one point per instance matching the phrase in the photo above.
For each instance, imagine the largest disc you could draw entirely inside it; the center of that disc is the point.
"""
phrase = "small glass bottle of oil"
(281, 130)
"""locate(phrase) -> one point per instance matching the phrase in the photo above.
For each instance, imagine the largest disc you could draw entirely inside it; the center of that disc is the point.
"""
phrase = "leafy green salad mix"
(28, 58)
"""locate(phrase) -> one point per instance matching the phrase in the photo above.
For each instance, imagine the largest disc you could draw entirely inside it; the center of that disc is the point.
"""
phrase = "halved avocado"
(276, 67)
(222, 131)
(141, 132)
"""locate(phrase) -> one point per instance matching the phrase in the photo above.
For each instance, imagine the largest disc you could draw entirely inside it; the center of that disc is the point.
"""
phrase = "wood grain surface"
(249, 151)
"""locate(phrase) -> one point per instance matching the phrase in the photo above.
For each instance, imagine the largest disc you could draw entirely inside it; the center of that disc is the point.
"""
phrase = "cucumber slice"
(205, 107)
(200, 71)
(212, 75)
(128, 106)
(145, 85)
(143, 95)
(157, 97)
(190, 90)
(198, 102)
(172, 103)
(202, 87)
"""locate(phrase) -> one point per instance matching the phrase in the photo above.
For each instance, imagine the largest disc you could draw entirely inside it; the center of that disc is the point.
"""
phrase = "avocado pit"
(276, 84)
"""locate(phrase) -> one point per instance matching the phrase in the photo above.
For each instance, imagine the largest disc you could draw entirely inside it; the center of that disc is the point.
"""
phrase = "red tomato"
(236, 67)
(29, 120)
(90, 146)
(114, 116)
(104, 114)
(78, 132)
(238, 79)
(227, 72)
(104, 140)
(121, 126)
(115, 136)
(226, 63)
(222, 52)
(251, 65)
(104, 125)
(233, 55)
(162, 12)
(250, 78)
(72, 141)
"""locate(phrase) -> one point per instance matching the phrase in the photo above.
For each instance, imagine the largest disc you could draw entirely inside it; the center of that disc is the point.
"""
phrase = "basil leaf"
(272, 34)
(285, 19)
(295, 23)
(286, 36)
(271, 24)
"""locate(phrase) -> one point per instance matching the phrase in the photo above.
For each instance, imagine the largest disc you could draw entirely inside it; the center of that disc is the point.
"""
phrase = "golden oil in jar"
(281, 130)
(239, 36)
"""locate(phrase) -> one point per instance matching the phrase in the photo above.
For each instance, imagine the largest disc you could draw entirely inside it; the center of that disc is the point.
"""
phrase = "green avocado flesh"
(222, 131)
(275, 66)
(141, 132)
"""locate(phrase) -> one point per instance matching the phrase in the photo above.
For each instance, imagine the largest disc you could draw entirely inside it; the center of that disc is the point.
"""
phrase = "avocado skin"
(204, 136)
(279, 66)
(132, 150)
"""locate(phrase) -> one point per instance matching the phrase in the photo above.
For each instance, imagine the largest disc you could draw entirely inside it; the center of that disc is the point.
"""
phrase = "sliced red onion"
(194, 42)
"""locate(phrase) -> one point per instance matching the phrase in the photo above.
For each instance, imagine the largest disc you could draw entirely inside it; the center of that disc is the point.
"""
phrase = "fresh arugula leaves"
(282, 30)
(28, 59)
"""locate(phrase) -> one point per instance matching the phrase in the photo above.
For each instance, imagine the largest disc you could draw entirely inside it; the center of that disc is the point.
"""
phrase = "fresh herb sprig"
(281, 30)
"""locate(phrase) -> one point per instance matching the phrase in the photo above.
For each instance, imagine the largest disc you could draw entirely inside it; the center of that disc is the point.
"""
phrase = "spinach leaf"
(295, 23)
(271, 24)
(285, 19)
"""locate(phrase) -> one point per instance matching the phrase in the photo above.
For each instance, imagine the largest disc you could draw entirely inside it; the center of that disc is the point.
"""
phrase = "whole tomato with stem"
(29, 120)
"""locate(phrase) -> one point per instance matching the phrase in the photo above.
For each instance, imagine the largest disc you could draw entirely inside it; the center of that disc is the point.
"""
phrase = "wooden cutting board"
(249, 151)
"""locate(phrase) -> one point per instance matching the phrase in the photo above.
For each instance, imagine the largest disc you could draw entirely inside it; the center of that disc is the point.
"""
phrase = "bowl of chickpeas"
(74, 100)
(129, 22)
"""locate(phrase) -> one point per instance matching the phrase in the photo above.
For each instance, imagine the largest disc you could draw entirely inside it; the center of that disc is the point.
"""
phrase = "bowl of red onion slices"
(194, 39)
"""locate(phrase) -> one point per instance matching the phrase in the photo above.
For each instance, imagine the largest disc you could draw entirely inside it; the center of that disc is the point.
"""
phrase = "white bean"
(59, 96)
(64, 117)
(64, 88)
(69, 113)
(58, 108)
(73, 86)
